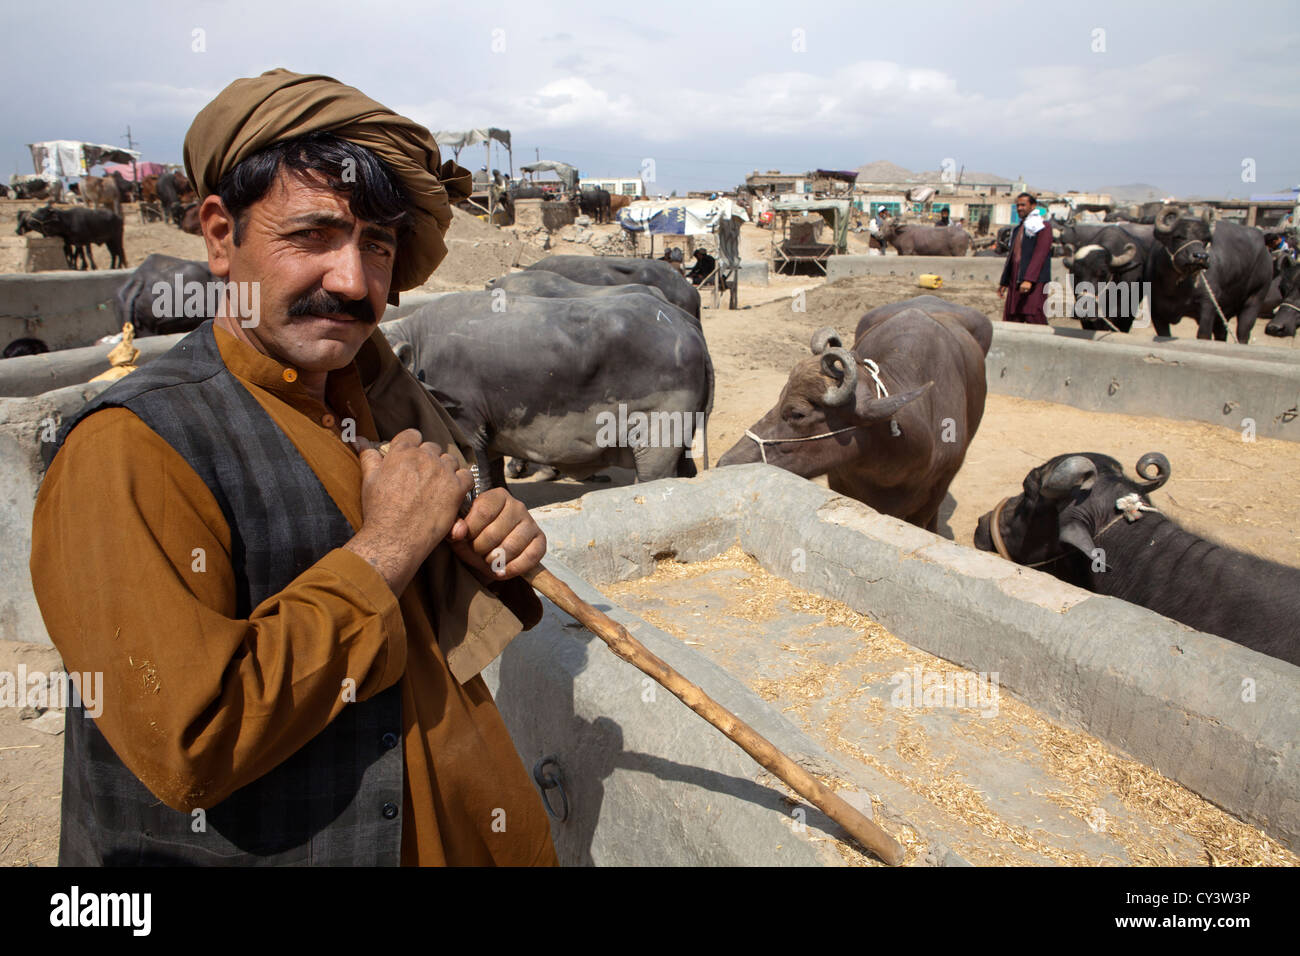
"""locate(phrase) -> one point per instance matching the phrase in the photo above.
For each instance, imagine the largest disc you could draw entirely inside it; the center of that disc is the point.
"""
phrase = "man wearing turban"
(290, 617)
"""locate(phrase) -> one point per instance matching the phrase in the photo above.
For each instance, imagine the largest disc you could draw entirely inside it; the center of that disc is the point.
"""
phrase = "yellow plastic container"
(929, 281)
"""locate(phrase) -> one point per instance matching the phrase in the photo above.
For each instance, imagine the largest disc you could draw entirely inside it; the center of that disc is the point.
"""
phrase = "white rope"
(1222, 318)
(881, 392)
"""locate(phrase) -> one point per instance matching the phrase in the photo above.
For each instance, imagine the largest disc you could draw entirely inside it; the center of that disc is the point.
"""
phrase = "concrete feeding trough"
(1062, 726)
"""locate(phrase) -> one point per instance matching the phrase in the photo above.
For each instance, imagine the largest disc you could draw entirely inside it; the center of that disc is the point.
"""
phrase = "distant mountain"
(967, 176)
(883, 171)
(1133, 192)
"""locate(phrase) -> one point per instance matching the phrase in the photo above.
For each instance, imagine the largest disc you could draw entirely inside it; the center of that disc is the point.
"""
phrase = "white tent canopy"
(459, 139)
(72, 159)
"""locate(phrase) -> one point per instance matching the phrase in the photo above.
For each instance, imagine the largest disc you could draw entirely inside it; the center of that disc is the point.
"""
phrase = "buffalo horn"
(1124, 258)
(825, 338)
(1074, 472)
(1161, 464)
(842, 364)
(1166, 218)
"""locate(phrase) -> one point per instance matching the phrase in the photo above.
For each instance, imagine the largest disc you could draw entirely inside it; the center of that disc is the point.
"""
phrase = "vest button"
(327, 420)
(390, 811)
(388, 741)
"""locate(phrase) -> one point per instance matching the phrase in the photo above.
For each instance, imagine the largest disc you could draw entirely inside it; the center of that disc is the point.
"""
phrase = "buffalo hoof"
(516, 467)
(547, 473)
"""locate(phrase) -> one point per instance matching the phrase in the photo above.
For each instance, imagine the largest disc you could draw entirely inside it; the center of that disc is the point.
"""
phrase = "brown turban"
(252, 114)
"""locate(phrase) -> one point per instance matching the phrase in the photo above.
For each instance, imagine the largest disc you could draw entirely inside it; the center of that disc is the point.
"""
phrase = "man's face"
(323, 274)
(1023, 207)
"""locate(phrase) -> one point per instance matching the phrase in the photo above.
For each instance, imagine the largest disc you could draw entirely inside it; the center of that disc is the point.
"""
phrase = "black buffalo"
(174, 192)
(594, 202)
(1287, 312)
(581, 384)
(622, 270)
(1209, 273)
(149, 299)
(79, 228)
(1070, 520)
(1107, 274)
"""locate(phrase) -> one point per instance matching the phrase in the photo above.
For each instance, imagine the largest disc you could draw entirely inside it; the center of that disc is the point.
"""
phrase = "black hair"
(1033, 200)
(374, 193)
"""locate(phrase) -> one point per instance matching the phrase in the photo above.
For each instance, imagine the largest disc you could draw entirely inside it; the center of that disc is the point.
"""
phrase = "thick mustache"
(321, 302)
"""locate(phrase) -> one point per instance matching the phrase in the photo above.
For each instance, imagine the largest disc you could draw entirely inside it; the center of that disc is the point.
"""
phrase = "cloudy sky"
(1178, 95)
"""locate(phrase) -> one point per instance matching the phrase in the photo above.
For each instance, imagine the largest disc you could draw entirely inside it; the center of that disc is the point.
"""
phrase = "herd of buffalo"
(528, 366)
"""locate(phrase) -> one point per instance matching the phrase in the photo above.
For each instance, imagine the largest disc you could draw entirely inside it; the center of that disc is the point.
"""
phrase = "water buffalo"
(552, 285)
(913, 240)
(79, 228)
(31, 187)
(895, 448)
(594, 202)
(622, 270)
(1107, 274)
(1210, 277)
(1077, 518)
(149, 298)
(582, 384)
(174, 192)
(1287, 312)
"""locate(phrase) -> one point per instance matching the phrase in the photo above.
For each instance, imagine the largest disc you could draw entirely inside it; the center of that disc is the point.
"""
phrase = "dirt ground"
(1242, 494)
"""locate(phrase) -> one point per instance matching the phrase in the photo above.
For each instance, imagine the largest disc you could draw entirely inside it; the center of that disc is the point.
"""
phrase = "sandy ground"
(1242, 494)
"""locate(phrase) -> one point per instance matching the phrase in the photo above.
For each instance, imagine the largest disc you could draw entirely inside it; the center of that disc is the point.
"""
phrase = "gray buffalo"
(552, 285)
(894, 443)
(913, 240)
(1079, 518)
(582, 384)
(165, 295)
(624, 270)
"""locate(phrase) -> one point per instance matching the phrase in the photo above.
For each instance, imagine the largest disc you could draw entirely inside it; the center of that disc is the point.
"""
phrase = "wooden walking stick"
(637, 654)
(746, 737)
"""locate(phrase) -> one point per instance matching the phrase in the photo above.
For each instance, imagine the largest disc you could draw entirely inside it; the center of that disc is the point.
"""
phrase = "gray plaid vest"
(338, 800)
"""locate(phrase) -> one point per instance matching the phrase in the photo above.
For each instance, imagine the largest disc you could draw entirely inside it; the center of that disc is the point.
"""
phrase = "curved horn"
(1125, 258)
(880, 409)
(1074, 472)
(825, 338)
(1166, 218)
(842, 364)
(1161, 464)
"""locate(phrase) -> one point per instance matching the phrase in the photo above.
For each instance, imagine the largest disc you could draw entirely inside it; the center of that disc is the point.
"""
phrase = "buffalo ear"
(405, 353)
(1074, 534)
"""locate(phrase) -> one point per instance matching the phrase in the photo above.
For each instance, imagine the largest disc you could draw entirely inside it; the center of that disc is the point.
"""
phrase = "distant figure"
(673, 257)
(943, 219)
(1029, 266)
(703, 268)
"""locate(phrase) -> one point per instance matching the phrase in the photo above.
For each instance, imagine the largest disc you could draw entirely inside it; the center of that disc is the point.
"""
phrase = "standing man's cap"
(254, 113)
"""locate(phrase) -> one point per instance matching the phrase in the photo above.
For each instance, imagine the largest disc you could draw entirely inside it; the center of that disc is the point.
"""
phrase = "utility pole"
(135, 170)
